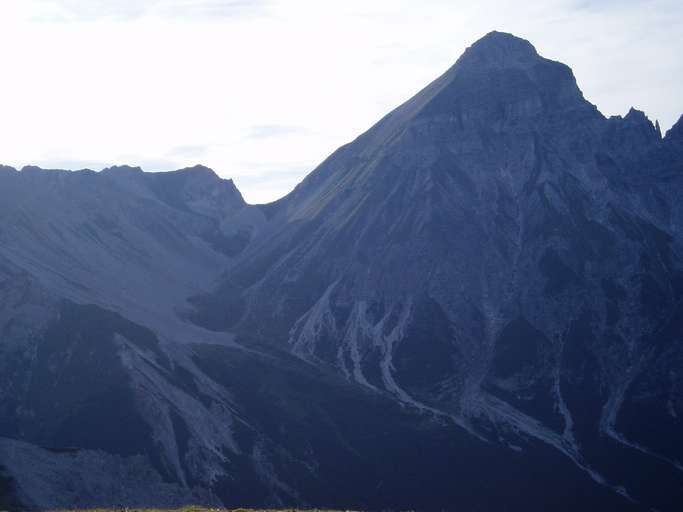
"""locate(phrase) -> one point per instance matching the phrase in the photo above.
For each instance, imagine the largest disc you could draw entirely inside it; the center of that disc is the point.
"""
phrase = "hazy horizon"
(263, 91)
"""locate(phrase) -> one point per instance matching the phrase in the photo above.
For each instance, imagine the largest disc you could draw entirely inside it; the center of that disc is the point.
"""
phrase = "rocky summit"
(475, 305)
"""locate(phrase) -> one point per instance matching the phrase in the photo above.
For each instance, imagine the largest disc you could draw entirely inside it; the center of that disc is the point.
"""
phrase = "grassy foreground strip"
(202, 509)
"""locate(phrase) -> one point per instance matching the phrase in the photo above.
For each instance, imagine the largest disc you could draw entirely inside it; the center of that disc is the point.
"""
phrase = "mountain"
(476, 304)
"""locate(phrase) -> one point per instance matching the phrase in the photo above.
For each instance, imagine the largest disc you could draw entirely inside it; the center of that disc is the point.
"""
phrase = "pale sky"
(263, 90)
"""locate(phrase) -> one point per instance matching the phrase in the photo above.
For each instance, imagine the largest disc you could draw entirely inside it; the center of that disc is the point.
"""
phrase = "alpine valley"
(475, 305)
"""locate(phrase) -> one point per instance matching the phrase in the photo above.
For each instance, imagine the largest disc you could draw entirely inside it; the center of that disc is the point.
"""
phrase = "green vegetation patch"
(203, 509)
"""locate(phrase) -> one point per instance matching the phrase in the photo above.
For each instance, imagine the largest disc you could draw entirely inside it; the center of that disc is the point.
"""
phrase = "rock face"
(484, 285)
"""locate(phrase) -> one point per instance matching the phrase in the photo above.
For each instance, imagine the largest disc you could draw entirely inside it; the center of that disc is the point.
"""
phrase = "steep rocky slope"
(497, 252)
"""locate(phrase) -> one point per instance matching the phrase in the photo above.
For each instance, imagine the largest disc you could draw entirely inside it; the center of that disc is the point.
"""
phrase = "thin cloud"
(273, 173)
(190, 151)
(212, 10)
(265, 185)
(604, 5)
(127, 10)
(265, 131)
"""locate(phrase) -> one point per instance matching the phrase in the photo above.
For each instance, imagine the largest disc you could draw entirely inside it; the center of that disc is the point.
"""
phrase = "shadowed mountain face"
(476, 304)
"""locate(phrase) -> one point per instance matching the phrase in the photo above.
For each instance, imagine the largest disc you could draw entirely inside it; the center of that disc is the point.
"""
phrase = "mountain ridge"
(379, 237)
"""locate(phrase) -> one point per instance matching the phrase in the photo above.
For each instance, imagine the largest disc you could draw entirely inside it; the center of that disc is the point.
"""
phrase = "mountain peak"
(31, 169)
(122, 169)
(504, 39)
(198, 169)
(676, 131)
(636, 116)
(637, 120)
(500, 49)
